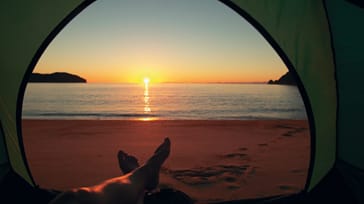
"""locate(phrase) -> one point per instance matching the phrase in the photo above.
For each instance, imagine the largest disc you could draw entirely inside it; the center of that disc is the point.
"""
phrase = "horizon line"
(217, 82)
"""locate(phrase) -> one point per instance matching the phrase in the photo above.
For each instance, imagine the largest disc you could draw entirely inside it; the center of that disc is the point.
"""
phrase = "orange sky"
(184, 41)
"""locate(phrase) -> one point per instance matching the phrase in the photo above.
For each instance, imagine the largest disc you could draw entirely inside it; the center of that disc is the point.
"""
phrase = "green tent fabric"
(348, 31)
(301, 31)
(25, 26)
(321, 42)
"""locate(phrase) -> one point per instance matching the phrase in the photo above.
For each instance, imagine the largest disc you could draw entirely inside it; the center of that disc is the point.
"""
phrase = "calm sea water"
(163, 101)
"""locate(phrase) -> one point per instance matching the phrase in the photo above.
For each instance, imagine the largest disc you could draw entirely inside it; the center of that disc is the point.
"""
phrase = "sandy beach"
(210, 160)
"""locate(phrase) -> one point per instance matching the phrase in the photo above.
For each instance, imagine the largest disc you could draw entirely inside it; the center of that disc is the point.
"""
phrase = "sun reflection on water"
(146, 98)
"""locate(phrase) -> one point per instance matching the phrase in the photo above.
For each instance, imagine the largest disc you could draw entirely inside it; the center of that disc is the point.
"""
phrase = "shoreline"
(211, 160)
(156, 119)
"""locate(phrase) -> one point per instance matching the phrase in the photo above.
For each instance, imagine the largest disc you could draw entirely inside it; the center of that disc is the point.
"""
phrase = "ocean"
(165, 101)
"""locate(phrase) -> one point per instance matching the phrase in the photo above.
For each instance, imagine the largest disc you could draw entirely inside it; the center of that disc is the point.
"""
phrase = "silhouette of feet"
(155, 162)
(127, 163)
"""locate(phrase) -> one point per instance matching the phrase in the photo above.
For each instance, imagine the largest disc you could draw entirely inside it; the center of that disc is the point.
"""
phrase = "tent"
(321, 42)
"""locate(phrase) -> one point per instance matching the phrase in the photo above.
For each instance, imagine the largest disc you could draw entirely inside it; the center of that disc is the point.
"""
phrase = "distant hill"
(57, 77)
(286, 79)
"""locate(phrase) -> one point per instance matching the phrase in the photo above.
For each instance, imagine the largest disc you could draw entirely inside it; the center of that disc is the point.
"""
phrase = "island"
(56, 77)
(286, 79)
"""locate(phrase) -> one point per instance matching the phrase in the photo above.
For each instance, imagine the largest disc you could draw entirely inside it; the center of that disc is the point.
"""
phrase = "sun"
(146, 80)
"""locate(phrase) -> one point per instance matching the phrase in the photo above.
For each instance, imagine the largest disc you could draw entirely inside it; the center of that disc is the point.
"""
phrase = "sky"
(124, 41)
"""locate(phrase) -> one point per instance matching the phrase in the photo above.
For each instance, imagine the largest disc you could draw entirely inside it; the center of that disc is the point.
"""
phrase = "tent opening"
(125, 74)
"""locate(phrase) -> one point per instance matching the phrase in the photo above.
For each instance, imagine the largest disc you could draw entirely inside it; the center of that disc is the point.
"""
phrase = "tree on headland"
(57, 77)
(286, 79)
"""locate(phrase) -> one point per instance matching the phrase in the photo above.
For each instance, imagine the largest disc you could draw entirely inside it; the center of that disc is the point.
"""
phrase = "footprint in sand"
(301, 129)
(234, 155)
(263, 144)
(251, 171)
(208, 175)
(233, 187)
(285, 126)
(297, 171)
(292, 131)
(230, 179)
(288, 134)
(287, 188)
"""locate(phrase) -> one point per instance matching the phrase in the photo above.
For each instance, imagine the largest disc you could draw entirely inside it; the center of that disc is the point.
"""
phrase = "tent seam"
(335, 76)
(6, 147)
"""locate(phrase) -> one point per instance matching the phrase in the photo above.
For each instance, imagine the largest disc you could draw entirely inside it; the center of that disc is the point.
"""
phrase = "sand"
(210, 160)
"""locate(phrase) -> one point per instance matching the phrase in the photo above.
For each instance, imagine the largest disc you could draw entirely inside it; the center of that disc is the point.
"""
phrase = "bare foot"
(155, 162)
(127, 163)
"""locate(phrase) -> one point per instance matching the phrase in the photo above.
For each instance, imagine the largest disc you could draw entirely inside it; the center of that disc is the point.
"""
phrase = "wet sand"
(210, 160)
